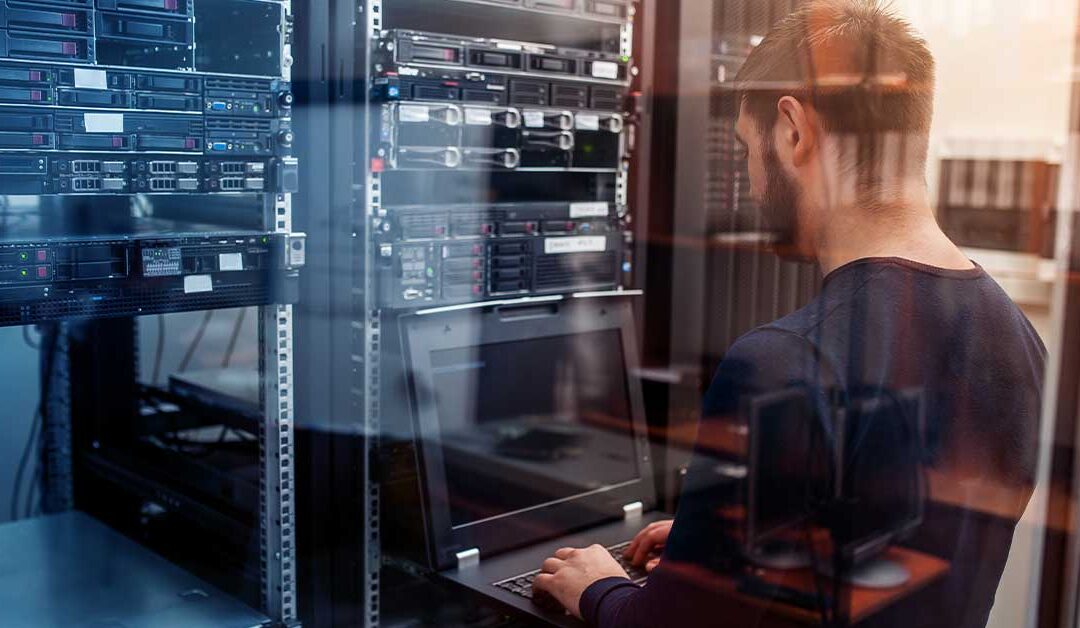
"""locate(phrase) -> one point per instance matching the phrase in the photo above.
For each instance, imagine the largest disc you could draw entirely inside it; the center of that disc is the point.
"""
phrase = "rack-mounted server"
(51, 278)
(434, 256)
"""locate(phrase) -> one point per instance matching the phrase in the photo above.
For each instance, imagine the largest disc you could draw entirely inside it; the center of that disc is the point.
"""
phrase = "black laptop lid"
(529, 423)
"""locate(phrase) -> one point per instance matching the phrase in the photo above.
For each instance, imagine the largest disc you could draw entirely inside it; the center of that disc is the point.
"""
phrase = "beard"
(779, 205)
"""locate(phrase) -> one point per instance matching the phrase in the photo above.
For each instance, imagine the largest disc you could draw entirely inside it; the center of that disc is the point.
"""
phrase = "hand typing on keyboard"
(646, 546)
(567, 574)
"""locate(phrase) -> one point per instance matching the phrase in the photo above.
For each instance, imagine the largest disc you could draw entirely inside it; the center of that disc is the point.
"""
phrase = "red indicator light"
(171, 5)
(35, 94)
(68, 20)
(377, 164)
(477, 289)
(38, 139)
(118, 141)
(451, 83)
(42, 255)
(43, 272)
(35, 75)
(190, 143)
(69, 48)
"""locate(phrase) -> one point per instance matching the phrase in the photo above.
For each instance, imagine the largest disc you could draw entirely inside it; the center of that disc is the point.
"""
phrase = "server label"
(581, 244)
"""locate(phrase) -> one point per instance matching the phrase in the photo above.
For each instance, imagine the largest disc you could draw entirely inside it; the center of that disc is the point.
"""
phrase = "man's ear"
(796, 129)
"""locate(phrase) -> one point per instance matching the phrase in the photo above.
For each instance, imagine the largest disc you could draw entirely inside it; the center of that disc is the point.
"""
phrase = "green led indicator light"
(265, 239)
(24, 256)
(23, 272)
(625, 58)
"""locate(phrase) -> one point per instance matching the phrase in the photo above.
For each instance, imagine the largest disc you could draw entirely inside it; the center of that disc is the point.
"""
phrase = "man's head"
(836, 106)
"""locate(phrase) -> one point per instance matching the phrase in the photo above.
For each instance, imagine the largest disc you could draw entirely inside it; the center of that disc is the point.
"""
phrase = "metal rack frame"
(276, 523)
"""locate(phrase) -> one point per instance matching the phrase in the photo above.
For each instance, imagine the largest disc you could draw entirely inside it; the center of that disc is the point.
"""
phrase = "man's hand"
(567, 574)
(649, 541)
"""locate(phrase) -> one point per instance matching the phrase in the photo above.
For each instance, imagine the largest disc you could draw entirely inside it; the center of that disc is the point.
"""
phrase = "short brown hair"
(863, 69)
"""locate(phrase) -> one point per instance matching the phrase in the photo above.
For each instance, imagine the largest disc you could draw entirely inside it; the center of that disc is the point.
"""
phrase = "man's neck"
(908, 232)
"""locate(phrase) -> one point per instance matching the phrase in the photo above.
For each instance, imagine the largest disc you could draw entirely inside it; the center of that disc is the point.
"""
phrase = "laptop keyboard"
(522, 584)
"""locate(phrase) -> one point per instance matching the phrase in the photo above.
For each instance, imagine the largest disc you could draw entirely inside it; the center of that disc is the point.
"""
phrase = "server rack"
(135, 123)
(455, 131)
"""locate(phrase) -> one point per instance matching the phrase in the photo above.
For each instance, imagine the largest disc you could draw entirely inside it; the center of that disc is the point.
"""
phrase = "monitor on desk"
(882, 488)
(858, 473)
(529, 423)
(787, 472)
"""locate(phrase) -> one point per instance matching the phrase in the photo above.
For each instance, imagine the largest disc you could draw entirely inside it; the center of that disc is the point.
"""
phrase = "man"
(836, 107)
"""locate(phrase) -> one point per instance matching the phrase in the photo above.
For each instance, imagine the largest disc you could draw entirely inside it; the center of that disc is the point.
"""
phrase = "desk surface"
(72, 570)
(983, 496)
(862, 603)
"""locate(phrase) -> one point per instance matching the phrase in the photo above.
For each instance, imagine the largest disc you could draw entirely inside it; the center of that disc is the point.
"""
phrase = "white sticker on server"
(581, 244)
(588, 210)
(413, 113)
(534, 119)
(587, 122)
(91, 79)
(198, 283)
(103, 122)
(478, 117)
(605, 70)
(230, 261)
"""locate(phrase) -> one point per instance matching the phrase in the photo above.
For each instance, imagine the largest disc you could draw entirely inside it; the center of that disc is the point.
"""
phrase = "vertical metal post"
(57, 486)
(372, 344)
(276, 439)
(276, 526)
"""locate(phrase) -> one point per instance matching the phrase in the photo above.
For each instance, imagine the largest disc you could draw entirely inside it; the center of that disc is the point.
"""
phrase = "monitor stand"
(877, 573)
(780, 555)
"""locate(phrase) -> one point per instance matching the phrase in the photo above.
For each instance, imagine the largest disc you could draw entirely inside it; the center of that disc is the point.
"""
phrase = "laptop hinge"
(468, 558)
(633, 510)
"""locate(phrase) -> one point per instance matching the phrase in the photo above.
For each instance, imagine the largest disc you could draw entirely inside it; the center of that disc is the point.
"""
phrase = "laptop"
(531, 436)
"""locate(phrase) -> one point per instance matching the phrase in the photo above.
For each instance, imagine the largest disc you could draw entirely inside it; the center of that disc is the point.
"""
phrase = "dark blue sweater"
(884, 324)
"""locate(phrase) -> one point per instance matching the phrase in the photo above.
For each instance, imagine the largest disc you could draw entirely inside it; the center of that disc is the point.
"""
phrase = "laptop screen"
(533, 422)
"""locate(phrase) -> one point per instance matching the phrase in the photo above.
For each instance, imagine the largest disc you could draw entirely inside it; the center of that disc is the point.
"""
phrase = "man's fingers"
(551, 565)
(652, 539)
(564, 552)
(638, 539)
(649, 566)
(544, 582)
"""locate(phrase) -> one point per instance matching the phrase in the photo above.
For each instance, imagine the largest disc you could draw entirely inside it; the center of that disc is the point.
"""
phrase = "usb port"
(232, 184)
(162, 185)
(85, 167)
(85, 184)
